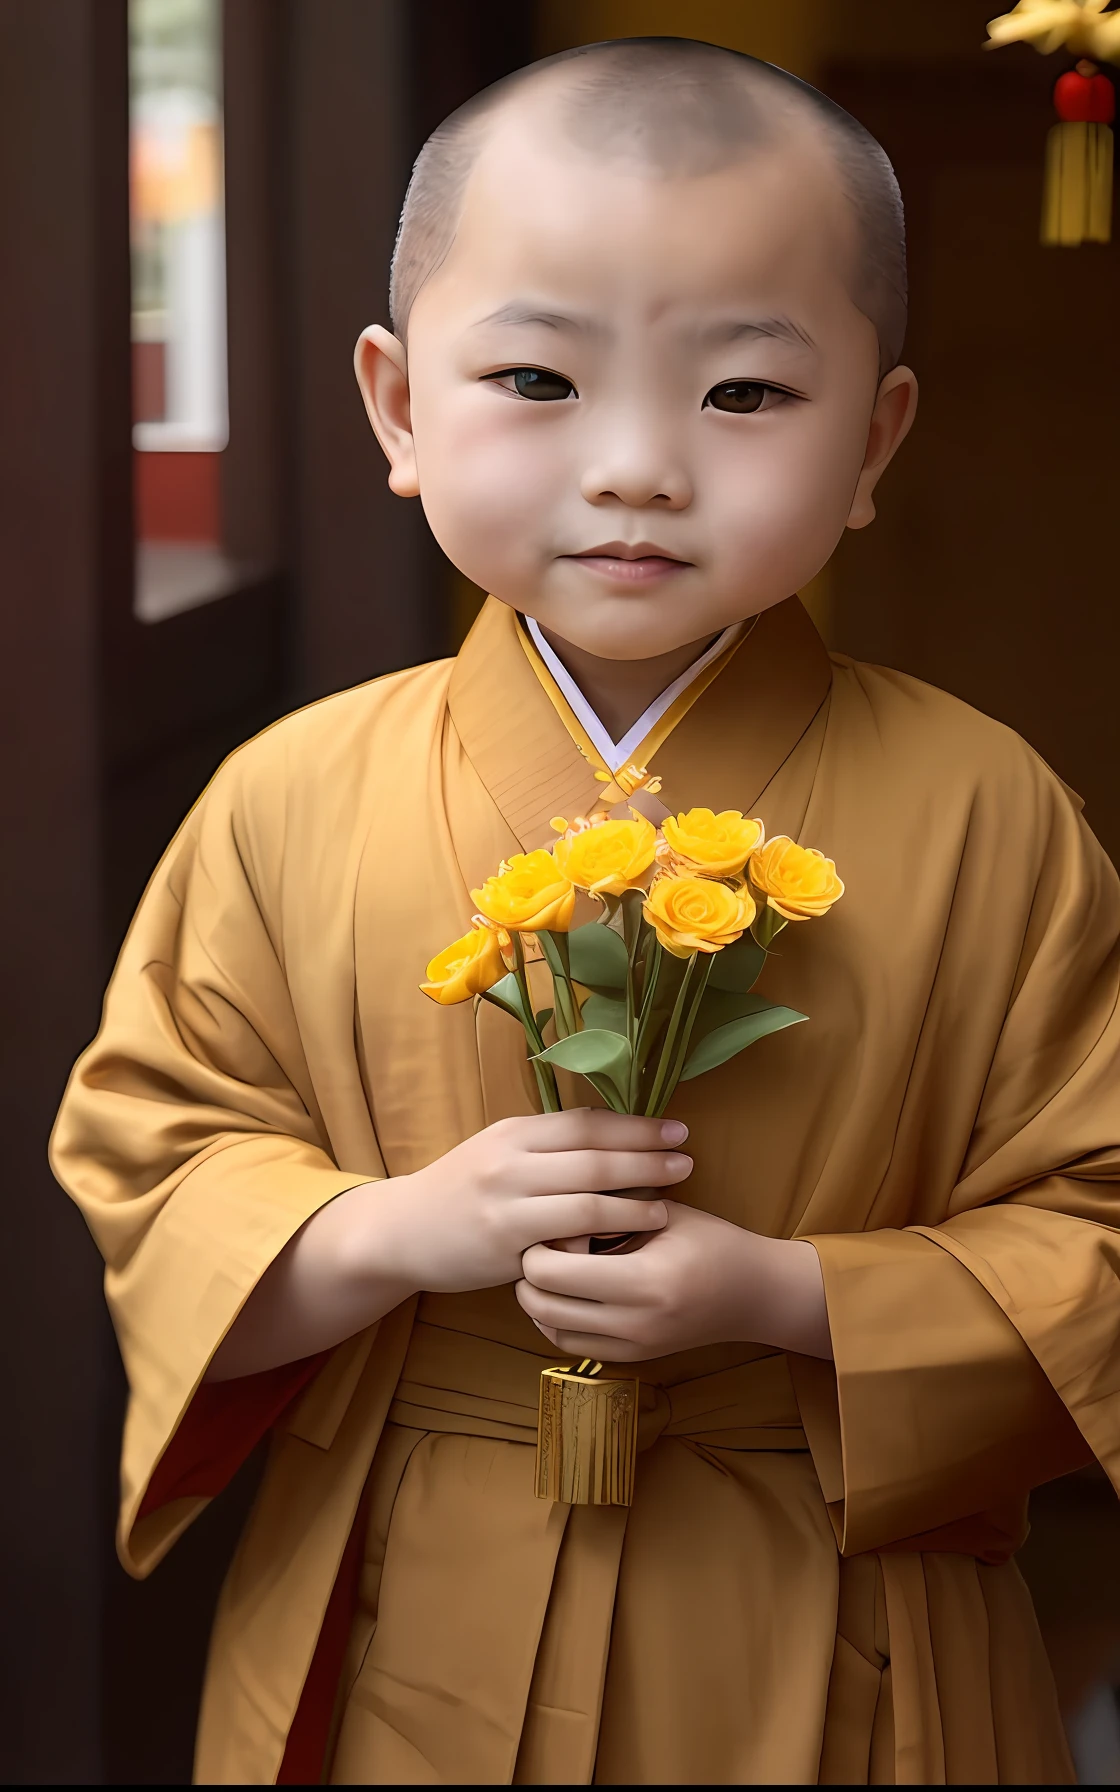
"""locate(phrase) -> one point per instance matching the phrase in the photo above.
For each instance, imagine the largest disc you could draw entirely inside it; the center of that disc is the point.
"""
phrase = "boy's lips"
(629, 563)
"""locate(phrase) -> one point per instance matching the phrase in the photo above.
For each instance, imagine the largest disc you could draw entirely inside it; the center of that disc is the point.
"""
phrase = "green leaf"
(594, 1051)
(607, 1012)
(738, 966)
(715, 1048)
(722, 1005)
(506, 994)
(767, 925)
(598, 956)
(555, 949)
(543, 1016)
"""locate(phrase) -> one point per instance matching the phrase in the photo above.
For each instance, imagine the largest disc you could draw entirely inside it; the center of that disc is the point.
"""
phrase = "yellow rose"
(712, 845)
(797, 881)
(529, 894)
(609, 856)
(693, 914)
(467, 967)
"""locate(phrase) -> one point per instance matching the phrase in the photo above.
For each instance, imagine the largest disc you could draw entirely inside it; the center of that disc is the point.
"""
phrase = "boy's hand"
(698, 1280)
(466, 1220)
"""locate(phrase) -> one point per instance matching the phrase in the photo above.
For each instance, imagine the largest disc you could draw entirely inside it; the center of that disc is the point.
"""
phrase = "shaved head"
(678, 109)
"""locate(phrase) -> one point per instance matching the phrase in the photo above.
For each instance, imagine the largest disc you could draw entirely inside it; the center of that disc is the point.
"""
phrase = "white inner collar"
(616, 754)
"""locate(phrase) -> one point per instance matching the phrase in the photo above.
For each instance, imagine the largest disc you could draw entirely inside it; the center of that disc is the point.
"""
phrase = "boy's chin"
(631, 628)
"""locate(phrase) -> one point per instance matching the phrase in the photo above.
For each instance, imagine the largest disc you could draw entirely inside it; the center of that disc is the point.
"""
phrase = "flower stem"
(631, 933)
(556, 951)
(544, 1073)
(668, 1049)
(547, 1087)
(702, 970)
(679, 1032)
(652, 971)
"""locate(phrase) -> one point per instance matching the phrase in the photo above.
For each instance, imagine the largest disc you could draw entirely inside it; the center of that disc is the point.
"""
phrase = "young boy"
(648, 302)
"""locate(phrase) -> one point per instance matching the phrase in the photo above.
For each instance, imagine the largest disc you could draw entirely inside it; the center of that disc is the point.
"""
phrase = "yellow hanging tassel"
(1077, 192)
(587, 1437)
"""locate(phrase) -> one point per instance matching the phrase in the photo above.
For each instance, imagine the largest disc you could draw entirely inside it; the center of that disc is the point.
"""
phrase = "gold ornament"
(1080, 26)
(1077, 190)
(587, 1437)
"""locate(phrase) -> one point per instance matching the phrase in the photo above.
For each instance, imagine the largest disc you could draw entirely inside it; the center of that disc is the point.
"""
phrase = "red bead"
(1084, 99)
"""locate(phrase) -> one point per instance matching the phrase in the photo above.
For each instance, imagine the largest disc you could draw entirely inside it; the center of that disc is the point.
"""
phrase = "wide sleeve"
(980, 1356)
(190, 1137)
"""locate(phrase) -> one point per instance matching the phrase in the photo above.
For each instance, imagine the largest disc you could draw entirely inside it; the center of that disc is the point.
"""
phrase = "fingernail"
(677, 1164)
(674, 1132)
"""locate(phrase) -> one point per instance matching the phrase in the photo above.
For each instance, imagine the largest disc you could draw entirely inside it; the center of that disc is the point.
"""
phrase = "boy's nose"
(637, 473)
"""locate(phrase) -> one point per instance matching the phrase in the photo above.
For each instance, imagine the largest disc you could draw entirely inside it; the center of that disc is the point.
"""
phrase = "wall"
(802, 35)
(991, 570)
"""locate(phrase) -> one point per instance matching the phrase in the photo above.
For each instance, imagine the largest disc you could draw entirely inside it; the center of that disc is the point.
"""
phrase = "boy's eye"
(741, 396)
(535, 382)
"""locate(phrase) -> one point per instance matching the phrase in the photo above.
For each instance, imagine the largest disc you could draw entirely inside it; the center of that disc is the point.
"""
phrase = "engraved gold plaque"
(587, 1437)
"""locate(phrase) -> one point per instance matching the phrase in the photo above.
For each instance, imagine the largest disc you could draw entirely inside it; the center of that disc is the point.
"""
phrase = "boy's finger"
(597, 1129)
(570, 1216)
(563, 1313)
(553, 1173)
(580, 1274)
(605, 1347)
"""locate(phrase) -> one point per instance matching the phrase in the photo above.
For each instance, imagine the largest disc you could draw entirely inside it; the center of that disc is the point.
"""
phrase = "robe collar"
(721, 755)
(640, 742)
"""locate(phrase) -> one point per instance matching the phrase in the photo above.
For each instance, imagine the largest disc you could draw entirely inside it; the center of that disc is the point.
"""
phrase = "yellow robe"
(813, 1582)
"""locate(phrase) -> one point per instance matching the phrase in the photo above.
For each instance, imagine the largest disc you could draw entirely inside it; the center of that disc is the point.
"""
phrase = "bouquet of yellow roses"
(656, 990)
(660, 987)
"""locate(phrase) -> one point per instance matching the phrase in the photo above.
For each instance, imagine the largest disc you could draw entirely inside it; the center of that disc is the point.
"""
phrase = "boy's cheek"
(790, 503)
(502, 494)
(492, 520)
(495, 492)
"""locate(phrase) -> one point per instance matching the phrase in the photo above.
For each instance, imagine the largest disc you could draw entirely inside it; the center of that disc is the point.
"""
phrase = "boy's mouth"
(629, 563)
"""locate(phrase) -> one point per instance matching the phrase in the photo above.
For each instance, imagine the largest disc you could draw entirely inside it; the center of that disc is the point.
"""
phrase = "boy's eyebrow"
(520, 311)
(523, 311)
(784, 328)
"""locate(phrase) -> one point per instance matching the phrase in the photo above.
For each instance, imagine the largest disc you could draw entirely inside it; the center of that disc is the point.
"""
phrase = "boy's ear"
(895, 404)
(382, 369)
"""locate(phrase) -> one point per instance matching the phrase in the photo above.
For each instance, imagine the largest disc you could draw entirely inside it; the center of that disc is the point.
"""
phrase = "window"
(179, 368)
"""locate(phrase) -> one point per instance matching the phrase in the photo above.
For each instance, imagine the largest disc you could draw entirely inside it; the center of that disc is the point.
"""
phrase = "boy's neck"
(619, 691)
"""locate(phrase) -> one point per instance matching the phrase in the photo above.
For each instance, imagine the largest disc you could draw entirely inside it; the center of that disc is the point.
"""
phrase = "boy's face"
(638, 408)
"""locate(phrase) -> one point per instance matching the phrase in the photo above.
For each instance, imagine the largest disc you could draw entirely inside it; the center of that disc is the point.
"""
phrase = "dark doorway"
(113, 720)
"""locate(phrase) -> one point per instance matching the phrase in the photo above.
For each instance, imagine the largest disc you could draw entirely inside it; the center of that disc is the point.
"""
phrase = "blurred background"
(197, 205)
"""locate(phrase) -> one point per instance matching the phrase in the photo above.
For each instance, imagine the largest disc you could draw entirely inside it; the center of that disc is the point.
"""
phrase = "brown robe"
(814, 1582)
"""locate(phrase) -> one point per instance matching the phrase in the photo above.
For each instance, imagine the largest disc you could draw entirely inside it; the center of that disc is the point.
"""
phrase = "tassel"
(587, 1437)
(1077, 193)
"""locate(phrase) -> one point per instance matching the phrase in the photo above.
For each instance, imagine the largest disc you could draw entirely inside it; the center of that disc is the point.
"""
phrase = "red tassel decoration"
(1077, 193)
